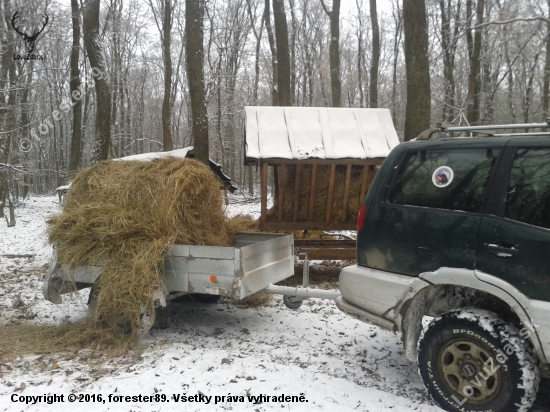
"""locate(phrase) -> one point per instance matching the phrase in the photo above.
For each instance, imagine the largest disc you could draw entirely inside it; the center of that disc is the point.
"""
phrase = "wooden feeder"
(344, 145)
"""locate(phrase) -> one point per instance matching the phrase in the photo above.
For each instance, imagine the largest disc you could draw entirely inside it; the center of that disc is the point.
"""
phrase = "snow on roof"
(158, 155)
(318, 132)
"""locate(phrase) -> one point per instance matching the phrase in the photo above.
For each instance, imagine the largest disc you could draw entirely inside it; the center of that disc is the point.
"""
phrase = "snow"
(318, 132)
(335, 361)
(182, 153)
(218, 350)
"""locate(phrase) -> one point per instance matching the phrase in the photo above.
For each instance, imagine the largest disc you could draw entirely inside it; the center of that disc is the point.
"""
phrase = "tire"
(471, 360)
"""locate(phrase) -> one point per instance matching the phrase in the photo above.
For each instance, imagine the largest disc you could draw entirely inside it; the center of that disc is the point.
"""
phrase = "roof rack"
(485, 130)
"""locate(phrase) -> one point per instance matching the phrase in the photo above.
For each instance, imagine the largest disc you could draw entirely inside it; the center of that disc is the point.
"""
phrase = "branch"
(329, 14)
(522, 19)
(8, 166)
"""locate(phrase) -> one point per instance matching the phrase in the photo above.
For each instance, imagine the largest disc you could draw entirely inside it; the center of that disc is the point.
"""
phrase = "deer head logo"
(29, 39)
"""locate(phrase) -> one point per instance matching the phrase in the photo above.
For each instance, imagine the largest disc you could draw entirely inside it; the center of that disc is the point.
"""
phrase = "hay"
(337, 212)
(18, 340)
(124, 216)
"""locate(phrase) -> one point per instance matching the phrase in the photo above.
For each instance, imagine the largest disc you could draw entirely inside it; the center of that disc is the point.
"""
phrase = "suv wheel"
(471, 360)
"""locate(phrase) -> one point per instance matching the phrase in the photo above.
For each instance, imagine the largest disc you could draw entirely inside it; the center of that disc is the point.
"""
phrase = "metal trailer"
(254, 263)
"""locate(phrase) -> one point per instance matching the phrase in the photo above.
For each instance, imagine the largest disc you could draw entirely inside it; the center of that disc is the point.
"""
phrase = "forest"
(88, 80)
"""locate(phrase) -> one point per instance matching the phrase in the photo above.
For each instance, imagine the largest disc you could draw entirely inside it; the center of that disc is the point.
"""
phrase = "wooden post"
(366, 169)
(263, 189)
(346, 193)
(281, 185)
(330, 191)
(312, 193)
(296, 193)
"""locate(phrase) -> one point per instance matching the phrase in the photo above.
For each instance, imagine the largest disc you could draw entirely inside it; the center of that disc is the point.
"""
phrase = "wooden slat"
(270, 225)
(364, 183)
(371, 175)
(329, 254)
(312, 193)
(330, 191)
(281, 192)
(275, 183)
(296, 193)
(329, 243)
(263, 189)
(327, 162)
(346, 193)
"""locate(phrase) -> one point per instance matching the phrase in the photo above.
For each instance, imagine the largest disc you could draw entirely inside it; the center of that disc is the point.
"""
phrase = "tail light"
(361, 216)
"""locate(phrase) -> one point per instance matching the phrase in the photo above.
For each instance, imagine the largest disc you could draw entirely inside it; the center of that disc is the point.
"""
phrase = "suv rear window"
(444, 179)
(528, 196)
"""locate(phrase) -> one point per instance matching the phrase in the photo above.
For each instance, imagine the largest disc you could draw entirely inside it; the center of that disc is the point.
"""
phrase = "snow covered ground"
(212, 356)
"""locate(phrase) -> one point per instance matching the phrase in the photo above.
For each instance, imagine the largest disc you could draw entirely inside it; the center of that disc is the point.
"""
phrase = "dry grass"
(125, 215)
(254, 300)
(24, 339)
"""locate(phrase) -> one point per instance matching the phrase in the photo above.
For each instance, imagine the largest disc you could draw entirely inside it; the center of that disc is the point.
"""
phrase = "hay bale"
(125, 215)
(337, 213)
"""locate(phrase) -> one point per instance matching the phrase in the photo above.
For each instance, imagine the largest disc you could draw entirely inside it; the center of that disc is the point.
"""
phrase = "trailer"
(255, 262)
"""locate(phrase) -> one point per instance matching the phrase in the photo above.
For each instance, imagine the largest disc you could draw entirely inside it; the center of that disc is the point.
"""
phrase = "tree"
(474, 52)
(448, 44)
(373, 91)
(283, 53)
(194, 49)
(92, 42)
(334, 52)
(76, 140)
(546, 75)
(417, 113)
(166, 106)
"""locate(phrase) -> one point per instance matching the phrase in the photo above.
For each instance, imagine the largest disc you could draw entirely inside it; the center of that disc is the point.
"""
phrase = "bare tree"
(283, 53)
(194, 49)
(474, 52)
(546, 85)
(334, 52)
(417, 115)
(92, 42)
(76, 140)
(373, 91)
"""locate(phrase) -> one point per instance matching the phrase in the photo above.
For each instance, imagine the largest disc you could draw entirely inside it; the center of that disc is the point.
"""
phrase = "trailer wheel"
(292, 302)
(146, 321)
(204, 298)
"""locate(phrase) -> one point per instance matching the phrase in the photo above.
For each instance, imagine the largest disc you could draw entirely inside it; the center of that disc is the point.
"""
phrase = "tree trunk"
(76, 140)
(448, 63)
(258, 36)
(417, 114)
(283, 54)
(273, 48)
(397, 40)
(195, 74)
(373, 92)
(546, 76)
(360, 52)
(334, 52)
(474, 49)
(92, 42)
(166, 106)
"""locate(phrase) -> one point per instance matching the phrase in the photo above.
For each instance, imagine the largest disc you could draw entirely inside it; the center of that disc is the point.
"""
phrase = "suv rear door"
(514, 237)
(420, 224)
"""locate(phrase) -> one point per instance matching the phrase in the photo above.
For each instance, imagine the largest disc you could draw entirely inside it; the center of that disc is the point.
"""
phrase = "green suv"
(458, 230)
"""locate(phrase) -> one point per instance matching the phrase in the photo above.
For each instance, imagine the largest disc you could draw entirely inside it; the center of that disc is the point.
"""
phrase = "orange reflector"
(213, 279)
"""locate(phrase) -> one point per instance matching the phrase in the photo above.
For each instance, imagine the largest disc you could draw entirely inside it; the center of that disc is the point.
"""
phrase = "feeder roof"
(318, 132)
